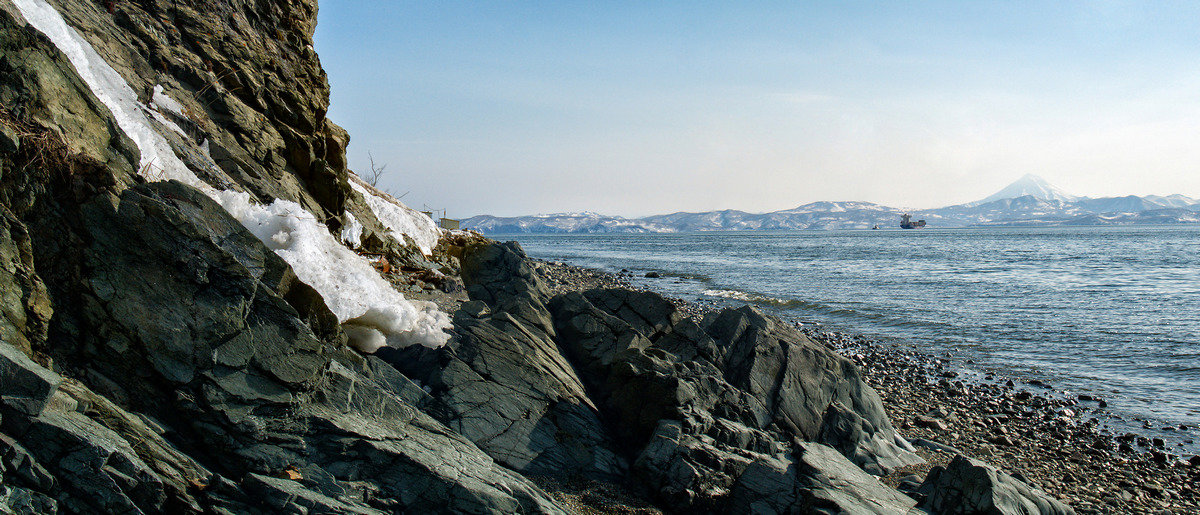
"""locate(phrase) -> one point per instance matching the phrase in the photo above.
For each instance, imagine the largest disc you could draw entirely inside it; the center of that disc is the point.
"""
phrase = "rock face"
(248, 382)
(970, 486)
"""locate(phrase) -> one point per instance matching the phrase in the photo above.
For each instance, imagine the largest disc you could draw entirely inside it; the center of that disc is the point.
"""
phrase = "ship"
(907, 223)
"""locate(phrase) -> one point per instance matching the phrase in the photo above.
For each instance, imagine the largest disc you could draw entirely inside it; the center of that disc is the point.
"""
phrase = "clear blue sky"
(637, 108)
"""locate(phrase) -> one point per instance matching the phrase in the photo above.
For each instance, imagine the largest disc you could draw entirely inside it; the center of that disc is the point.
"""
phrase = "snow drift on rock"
(351, 231)
(351, 288)
(401, 219)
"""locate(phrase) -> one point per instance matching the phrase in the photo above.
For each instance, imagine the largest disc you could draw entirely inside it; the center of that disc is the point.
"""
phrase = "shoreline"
(1038, 434)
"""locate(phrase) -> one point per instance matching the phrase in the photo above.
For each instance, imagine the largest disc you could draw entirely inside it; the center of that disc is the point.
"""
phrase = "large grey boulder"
(505, 385)
(501, 273)
(970, 486)
(815, 479)
(801, 388)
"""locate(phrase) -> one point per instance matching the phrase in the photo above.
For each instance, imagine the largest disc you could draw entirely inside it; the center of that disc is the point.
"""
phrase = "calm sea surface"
(1113, 312)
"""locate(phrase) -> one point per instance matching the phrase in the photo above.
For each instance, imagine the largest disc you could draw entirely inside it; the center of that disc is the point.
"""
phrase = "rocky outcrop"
(190, 312)
(801, 388)
(505, 385)
(689, 408)
(970, 486)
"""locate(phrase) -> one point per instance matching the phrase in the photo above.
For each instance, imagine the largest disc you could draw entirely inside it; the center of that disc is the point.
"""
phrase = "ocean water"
(1108, 311)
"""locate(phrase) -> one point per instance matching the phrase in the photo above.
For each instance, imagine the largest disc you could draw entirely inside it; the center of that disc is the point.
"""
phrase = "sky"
(637, 108)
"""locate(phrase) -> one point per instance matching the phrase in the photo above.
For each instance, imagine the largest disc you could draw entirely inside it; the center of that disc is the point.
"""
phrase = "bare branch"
(372, 177)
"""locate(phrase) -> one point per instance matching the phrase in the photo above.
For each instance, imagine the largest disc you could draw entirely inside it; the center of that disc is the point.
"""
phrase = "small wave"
(754, 298)
(701, 278)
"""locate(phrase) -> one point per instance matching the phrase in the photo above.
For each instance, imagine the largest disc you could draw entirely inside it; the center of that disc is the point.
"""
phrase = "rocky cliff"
(203, 310)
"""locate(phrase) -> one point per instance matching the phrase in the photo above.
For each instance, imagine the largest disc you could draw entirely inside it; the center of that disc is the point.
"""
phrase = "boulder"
(802, 388)
(971, 486)
(508, 389)
(25, 386)
(496, 272)
(505, 385)
(814, 479)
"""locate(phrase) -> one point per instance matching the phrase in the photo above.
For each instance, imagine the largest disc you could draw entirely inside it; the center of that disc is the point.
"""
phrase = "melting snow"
(348, 283)
(158, 160)
(401, 219)
(375, 313)
(352, 231)
(162, 102)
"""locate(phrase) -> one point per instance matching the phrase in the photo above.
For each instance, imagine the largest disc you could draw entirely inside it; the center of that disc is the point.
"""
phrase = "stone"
(935, 446)
(508, 389)
(970, 486)
(286, 496)
(94, 463)
(25, 386)
(793, 381)
(816, 479)
(22, 500)
(23, 467)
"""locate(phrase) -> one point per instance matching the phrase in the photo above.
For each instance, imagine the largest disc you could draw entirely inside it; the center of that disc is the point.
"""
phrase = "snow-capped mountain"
(1031, 185)
(1028, 201)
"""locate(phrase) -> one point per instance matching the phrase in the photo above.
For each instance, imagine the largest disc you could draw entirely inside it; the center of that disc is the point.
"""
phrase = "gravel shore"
(1051, 440)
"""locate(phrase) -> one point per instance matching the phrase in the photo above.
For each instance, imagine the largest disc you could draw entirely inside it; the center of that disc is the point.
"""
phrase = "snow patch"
(349, 284)
(351, 288)
(401, 219)
(162, 102)
(158, 161)
(351, 231)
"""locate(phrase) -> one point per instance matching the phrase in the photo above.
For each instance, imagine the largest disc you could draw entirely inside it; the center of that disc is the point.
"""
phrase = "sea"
(1112, 312)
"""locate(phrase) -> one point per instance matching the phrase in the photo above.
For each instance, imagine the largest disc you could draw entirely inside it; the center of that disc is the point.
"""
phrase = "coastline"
(1024, 427)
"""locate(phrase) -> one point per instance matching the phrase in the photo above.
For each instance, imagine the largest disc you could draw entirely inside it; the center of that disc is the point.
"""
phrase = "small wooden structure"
(449, 224)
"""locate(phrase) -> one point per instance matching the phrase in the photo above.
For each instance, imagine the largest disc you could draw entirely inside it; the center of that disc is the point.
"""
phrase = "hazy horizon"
(505, 109)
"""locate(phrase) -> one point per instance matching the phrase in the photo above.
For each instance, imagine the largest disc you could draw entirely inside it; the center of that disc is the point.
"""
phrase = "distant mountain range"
(1030, 201)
